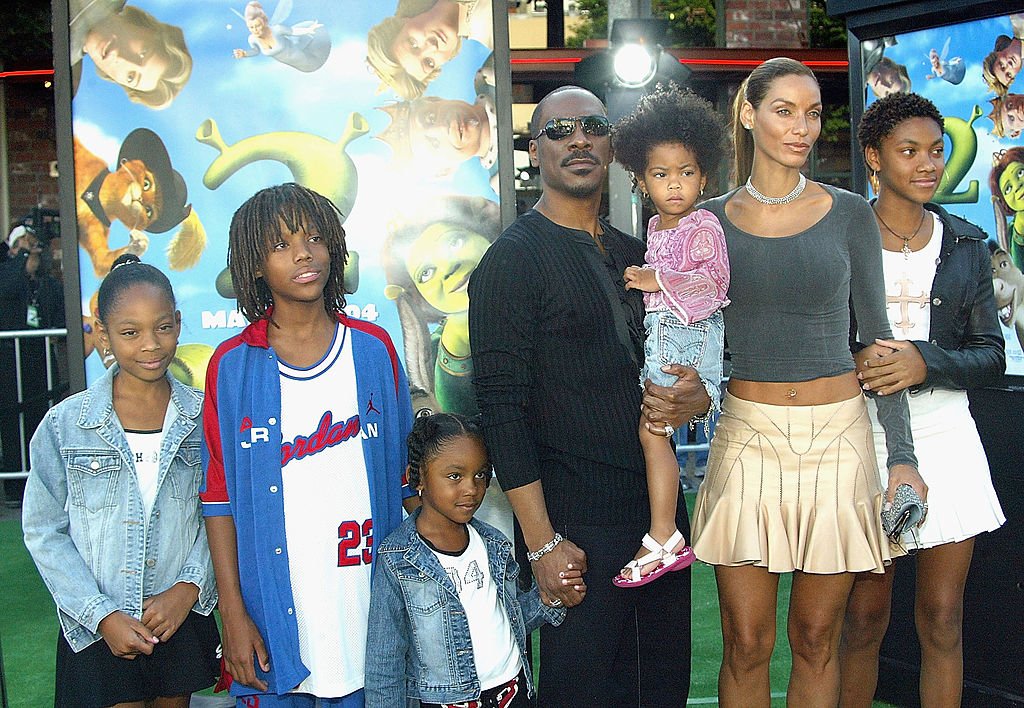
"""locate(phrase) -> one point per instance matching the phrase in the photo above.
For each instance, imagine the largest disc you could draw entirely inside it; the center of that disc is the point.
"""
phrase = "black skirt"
(94, 678)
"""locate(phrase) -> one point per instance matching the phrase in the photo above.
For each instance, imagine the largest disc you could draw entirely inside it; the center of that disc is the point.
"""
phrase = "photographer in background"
(30, 298)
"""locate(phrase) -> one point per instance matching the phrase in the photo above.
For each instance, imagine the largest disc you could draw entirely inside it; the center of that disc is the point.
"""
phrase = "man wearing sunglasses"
(557, 348)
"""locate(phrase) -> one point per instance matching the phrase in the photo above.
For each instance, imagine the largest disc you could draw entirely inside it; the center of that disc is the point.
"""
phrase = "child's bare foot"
(654, 559)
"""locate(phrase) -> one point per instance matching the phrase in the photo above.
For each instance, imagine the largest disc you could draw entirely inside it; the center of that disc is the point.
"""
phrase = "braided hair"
(430, 434)
(259, 220)
(127, 272)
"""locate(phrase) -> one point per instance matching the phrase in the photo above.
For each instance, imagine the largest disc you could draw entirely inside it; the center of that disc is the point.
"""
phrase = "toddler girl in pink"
(671, 143)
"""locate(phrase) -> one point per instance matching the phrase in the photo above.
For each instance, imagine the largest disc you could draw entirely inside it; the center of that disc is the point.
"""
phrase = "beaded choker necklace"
(906, 239)
(775, 201)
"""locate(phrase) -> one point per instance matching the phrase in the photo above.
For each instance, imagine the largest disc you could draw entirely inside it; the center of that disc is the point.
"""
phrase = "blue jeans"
(699, 344)
(300, 700)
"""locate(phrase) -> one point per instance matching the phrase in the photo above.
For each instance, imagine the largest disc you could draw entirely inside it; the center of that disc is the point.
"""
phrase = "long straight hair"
(753, 90)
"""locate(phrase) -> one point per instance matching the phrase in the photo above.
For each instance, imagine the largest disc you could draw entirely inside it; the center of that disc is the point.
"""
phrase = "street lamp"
(634, 63)
(636, 50)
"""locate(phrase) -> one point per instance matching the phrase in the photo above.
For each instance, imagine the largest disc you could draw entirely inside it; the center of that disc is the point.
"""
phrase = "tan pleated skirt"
(792, 488)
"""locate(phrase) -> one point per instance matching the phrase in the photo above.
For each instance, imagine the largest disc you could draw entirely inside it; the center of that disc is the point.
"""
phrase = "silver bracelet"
(534, 556)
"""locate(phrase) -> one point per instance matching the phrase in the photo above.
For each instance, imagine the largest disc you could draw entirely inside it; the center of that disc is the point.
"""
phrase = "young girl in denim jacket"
(448, 623)
(112, 516)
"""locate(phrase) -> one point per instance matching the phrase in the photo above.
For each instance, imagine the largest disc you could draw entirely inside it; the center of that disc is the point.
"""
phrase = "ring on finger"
(556, 602)
(669, 430)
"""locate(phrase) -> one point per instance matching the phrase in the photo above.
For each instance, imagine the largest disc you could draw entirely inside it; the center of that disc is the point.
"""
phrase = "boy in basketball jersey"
(305, 422)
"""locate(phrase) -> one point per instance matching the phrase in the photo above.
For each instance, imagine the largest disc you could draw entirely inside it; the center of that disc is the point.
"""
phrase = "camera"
(44, 223)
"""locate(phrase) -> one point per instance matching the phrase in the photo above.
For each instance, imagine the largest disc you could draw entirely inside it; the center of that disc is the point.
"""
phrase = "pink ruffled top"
(691, 265)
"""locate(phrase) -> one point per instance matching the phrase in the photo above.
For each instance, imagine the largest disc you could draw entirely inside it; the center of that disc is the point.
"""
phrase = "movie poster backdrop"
(181, 111)
(970, 72)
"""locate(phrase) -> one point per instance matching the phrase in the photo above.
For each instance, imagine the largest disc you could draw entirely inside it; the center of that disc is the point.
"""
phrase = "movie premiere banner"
(181, 111)
(970, 71)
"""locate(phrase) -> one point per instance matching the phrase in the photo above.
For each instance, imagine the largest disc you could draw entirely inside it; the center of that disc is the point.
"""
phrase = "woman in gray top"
(792, 484)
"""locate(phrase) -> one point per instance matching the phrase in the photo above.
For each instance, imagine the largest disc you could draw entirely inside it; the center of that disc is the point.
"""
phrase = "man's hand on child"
(641, 279)
(240, 641)
(550, 571)
(126, 636)
(164, 612)
(572, 577)
(676, 404)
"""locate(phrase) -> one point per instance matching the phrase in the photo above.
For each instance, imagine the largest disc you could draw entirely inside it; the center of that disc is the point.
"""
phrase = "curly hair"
(670, 115)
(1001, 160)
(126, 272)
(882, 117)
(258, 220)
(431, 434)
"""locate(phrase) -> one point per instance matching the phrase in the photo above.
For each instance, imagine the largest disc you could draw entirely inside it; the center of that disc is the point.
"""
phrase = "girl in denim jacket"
(448, 624)
(112, 516)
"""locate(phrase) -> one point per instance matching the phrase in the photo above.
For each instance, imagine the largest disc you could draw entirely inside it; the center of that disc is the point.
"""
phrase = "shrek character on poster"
(1000, 66)
(131, 48)
(1007, 184)
(408, 50)
(428, 259)
(435, 136)
(1007, 115)
(304, 46)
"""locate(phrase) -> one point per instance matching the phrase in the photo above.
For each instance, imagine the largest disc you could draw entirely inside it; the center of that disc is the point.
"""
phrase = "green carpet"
(28, 624)
(28, 630)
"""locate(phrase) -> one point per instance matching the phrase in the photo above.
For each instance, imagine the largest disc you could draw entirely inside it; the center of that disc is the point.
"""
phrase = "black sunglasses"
(561, 128)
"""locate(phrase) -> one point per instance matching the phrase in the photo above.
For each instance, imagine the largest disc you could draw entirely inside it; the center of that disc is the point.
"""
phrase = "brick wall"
(31, 147)
(766, 23)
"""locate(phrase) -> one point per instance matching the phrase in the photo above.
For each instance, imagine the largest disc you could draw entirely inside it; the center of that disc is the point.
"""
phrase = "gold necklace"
(906, 239)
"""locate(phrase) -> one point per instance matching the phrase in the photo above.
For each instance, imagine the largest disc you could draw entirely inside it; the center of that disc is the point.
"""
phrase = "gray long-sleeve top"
(790, 314)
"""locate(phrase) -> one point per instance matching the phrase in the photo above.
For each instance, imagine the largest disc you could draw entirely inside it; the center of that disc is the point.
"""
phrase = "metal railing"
(48, 336)
(691, 450)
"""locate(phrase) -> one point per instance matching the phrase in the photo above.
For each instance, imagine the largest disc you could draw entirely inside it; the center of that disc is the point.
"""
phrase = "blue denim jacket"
(419, 643)
(83, 514)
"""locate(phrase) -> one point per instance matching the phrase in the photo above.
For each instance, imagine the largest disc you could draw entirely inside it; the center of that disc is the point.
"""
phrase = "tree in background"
(594, 24)
(691, 22)
(826, 32)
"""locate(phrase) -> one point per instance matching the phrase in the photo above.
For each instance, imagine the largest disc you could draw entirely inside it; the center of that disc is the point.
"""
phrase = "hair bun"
(125, 259)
